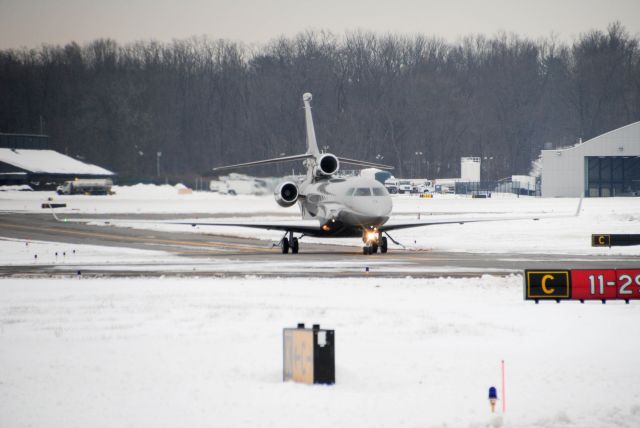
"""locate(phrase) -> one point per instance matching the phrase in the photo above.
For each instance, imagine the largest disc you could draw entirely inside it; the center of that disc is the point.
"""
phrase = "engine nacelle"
(327, 165)
(286, 194)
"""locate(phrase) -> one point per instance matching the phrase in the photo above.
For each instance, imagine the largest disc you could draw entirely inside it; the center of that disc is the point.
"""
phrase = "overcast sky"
(33, 22)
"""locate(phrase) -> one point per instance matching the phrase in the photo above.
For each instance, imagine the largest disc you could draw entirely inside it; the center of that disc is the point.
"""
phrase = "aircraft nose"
(380, 209)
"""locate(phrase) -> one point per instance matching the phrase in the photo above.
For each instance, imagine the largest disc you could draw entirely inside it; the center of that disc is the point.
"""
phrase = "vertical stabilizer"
(312, 144)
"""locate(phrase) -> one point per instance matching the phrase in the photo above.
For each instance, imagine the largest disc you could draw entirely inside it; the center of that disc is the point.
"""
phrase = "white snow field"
(178, 352)
(16, 252)
(143, 199)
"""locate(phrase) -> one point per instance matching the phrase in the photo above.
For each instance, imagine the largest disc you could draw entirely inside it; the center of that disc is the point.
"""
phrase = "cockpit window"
(379, 191)
(362, 191)
(350, 191)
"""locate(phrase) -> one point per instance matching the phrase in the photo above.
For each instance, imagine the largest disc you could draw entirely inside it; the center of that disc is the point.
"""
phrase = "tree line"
(418, 103)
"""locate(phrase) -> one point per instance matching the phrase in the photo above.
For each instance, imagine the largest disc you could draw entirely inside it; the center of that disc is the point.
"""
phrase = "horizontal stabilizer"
(264, 162)
(364, 163)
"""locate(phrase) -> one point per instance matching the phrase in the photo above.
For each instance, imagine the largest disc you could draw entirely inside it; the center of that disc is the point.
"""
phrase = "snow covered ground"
(143, 199)
(409, 353)
(19, 252)
(65, 257)
(168, 352)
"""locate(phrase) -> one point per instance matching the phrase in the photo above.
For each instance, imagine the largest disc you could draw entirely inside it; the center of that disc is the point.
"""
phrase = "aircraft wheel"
(374, 248)
(368, 250)
(285, 245)
(295, 246)
(383, 244)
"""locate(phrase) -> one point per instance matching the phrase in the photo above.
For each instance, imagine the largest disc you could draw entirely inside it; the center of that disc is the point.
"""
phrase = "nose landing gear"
(374, 241)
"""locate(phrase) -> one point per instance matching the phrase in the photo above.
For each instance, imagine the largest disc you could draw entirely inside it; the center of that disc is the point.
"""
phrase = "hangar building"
(25, 159)
(607, 165)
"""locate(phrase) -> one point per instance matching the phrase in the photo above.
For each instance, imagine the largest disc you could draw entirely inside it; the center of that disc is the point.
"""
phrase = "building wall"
(563, 171)
(470, 169)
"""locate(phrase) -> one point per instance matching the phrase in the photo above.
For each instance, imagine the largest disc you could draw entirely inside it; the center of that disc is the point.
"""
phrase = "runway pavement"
(215, 255)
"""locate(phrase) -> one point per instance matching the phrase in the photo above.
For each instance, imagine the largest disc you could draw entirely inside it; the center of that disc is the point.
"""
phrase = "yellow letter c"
(601, 240)
(544, 284)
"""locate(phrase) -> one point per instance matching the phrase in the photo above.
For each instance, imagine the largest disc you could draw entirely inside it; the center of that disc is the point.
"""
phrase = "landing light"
(326, 227)
(372, 236)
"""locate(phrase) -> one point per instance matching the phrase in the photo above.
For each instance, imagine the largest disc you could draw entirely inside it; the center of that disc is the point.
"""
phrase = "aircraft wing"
(308, 227)
(396, 225)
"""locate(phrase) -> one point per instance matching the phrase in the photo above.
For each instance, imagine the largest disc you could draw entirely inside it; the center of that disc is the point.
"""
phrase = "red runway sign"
(582, 284)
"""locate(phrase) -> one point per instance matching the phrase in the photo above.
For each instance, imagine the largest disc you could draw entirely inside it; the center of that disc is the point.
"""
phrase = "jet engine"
(327, 165)
(286, 194)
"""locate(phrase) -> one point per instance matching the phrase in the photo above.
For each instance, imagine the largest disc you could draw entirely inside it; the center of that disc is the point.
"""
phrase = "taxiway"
(217, 255)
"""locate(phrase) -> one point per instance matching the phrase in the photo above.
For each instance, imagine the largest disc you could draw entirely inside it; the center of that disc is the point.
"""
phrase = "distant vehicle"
(445, 188)
(425, 186)
(404, 186)
(237, 184)
(482, 194)
(218, 186)
(97, 186)
(391, 185)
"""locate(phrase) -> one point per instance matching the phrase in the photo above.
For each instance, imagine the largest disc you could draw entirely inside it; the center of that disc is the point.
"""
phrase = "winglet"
(579, 206)
(55, 217)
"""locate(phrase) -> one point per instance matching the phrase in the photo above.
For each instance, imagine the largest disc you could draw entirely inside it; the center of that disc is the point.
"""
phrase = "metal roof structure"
(49, 162)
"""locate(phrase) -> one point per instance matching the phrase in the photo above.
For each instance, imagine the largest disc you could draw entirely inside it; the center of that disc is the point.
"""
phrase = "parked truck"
(94, 186)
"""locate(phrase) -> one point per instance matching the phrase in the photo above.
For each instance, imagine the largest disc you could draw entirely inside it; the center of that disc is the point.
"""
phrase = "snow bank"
(409, 353)
(17, 187)
(144, 199)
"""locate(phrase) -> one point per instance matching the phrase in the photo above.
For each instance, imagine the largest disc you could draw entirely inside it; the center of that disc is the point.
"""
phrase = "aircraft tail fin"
(312, 144)
(312, 148)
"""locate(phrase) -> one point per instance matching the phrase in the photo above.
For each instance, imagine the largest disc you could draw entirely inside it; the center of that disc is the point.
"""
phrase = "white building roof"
(48, 162)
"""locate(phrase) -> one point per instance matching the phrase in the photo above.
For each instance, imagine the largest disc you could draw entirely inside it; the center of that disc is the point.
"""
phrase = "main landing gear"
(374, 241)
(290, 243)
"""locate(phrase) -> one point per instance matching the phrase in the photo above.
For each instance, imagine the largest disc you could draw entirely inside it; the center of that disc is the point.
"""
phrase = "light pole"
(419, 162)
(158, 156)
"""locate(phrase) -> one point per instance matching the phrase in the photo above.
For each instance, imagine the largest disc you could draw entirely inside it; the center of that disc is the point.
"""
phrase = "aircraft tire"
(295, 246)
(285, 245)
(383, 245)
(374, 248)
